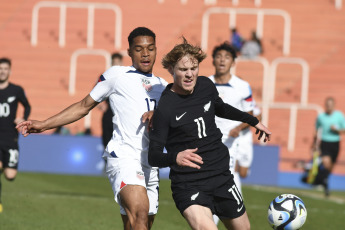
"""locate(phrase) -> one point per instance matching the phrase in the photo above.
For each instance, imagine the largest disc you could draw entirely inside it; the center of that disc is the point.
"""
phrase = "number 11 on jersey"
(201, 127)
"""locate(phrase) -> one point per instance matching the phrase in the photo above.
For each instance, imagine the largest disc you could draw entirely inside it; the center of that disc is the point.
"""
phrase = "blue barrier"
(82, 155)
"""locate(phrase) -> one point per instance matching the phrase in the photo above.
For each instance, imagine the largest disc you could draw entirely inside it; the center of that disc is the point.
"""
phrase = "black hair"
(227, 47)
(140, 31)
(116, 55)
(5, 60)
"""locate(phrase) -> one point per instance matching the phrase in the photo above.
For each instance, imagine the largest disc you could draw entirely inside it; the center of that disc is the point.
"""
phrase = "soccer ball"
(287, 212)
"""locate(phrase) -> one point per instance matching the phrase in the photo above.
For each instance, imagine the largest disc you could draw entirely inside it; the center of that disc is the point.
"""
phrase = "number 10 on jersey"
(201, 127)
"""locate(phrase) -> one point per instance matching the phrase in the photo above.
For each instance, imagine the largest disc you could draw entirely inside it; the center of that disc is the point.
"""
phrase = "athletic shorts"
(9, 156)
(218, 193)
(125, 171)
(232, 144)
(245, 149)
(330, 149)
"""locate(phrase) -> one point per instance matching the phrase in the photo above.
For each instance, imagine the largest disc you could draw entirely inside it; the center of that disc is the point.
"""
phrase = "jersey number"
(4, 110)
(149, 103)
(236, 194)
(201, 127)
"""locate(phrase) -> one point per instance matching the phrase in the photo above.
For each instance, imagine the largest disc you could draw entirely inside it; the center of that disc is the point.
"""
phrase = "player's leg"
(135, 202)
(199, 217)
(229, 203)
(239, 223)
(152, 187)
(126, 223)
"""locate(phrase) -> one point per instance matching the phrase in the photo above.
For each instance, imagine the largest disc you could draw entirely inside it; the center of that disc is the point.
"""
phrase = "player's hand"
(261, 130)
(31, 126)
(188, 158)
(235, 132)
(334, 129)
(147, 117)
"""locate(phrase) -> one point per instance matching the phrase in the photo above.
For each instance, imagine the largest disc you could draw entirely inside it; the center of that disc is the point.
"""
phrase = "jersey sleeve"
(317, 122)
(24, 101)
(247, 101)
(227, 111)
(106, 84)
(158, 136)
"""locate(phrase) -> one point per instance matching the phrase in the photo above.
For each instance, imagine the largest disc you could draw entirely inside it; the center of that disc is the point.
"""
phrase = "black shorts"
(218, 193)
(9, 156)
(330, 149)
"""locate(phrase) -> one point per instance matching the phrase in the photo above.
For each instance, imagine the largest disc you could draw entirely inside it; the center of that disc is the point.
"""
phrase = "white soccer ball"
(287, 212)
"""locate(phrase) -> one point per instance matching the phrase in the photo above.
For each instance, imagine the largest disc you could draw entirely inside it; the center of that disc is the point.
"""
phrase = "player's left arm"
(27, 108)
(227, 111)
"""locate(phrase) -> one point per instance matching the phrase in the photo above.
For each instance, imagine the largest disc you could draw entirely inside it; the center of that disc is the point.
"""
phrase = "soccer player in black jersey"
(10, 96)
(184, 122)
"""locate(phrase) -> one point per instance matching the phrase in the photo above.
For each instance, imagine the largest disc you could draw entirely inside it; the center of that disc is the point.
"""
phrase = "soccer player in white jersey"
(244, 155)
(132, 92)
(235, 92)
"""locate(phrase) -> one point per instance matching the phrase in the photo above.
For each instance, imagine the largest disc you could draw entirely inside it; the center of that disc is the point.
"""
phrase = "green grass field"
(44, 201)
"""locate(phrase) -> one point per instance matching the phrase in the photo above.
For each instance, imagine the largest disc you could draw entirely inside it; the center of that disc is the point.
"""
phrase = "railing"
(256, 2)
(183, 2)
(338, 4)
(293, 107)
(73, 64)
(90, 6)
(265, 76)
(305, 76)
(259, 27)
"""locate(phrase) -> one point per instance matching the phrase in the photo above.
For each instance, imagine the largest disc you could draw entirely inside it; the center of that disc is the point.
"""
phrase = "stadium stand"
(316, 36)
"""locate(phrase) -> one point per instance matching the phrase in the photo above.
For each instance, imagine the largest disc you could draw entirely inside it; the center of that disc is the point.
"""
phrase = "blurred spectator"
(236, 40)
(116, 59)
(332, 124)
(252, 48)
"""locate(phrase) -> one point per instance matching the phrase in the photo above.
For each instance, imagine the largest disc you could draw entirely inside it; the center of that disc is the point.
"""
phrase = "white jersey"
(238, 94)
(131, 94)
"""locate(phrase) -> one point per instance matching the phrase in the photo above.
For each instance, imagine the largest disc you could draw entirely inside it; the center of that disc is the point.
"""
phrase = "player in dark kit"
(184, 122)
(10, 96)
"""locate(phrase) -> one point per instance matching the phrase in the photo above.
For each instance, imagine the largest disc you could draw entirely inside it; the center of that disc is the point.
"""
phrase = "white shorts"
(245, 149)
(232, 144)
(126, 171)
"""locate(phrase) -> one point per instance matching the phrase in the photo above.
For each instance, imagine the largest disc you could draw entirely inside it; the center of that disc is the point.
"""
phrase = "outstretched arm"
(71, 114)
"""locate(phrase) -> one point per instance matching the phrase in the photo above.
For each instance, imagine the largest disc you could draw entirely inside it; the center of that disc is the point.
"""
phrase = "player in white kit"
(132, 92)
(237, 93)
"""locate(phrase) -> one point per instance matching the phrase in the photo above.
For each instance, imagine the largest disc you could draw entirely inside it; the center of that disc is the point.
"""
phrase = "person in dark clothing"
(10, 96)
(184, 122)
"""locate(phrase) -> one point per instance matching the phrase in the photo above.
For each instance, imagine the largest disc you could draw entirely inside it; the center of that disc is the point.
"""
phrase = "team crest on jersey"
(11, 99)
(207, 106)
(146, 84)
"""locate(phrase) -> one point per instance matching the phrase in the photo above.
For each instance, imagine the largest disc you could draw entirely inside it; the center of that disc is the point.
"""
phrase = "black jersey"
(183, 122)
(9, 98)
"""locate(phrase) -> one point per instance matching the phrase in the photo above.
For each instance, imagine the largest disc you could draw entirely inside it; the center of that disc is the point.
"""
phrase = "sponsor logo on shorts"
(239, 209)
(140, 175)
(193, 197)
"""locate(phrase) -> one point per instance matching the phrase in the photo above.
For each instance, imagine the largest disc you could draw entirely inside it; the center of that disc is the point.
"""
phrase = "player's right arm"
(71, 114)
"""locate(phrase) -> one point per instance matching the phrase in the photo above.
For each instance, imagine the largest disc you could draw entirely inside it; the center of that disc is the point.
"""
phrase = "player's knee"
(141, 218)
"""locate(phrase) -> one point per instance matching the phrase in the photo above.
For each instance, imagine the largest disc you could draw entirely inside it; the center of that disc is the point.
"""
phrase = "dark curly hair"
(227, 47)
(140, 31)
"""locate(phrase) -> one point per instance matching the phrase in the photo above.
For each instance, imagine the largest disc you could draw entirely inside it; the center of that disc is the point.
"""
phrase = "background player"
(132, 91)
(237, 93)
(10, 96)
(184, 122)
